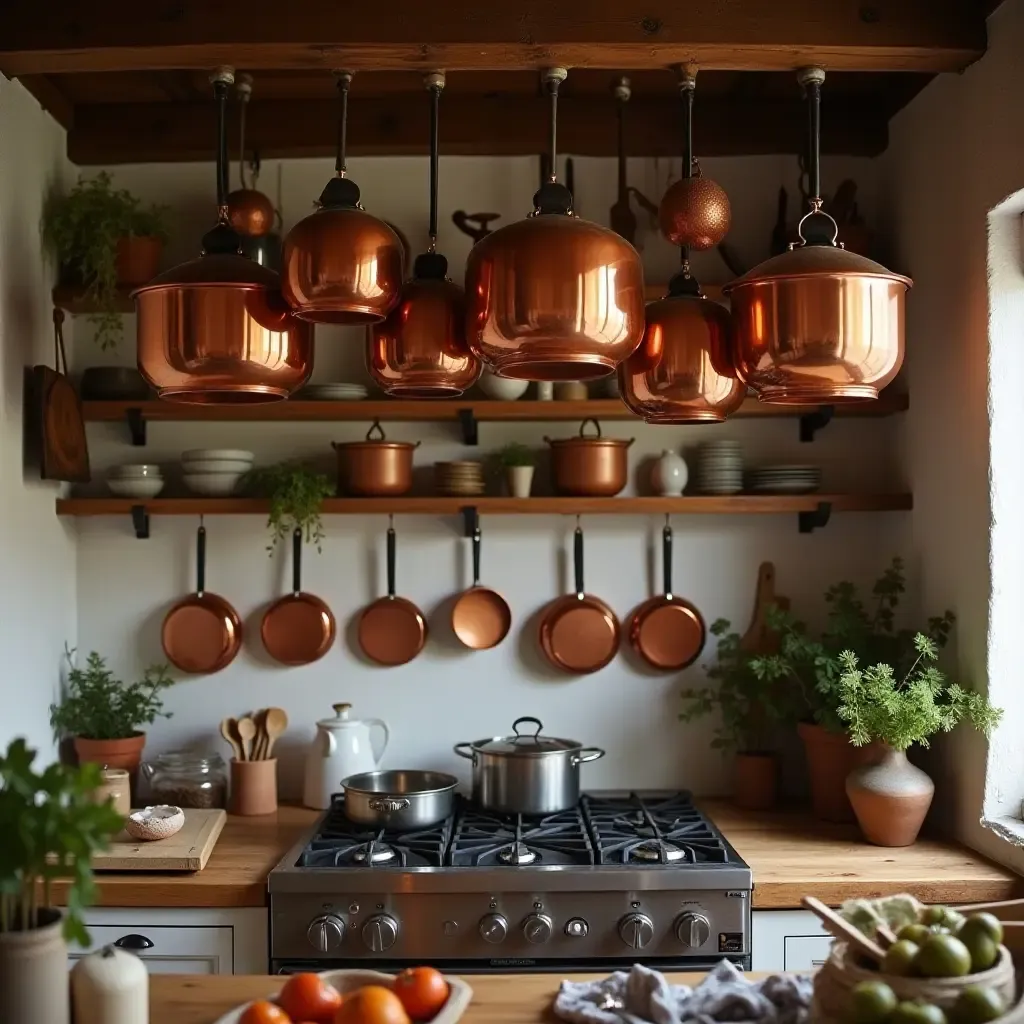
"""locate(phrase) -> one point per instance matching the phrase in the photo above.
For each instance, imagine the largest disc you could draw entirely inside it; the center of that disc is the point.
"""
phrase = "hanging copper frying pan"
(579, 633)
(667, 631)
(392, 630)
(202, 633)
(299, 628)
(481, 617)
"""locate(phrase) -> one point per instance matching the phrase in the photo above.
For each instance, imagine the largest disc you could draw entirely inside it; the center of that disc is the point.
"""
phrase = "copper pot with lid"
(818, 324)
(376, 467)
(589, 465)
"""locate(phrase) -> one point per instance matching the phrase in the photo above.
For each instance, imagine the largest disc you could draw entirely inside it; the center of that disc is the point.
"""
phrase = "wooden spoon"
(246, 733)
(229, 730)
(843, 930)
(275, 723)
(260, 746)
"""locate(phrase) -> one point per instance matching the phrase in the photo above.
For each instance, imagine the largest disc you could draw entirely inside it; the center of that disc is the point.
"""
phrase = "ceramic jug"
(342, 748)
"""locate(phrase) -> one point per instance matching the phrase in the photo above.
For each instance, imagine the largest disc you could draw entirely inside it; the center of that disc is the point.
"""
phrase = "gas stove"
(620, 877)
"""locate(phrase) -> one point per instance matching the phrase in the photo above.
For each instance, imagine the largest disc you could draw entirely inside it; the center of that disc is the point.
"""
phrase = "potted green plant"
(103, 239)
(103, 714)
(518, 462)
(897, 708)
(50, 825)
(750, 705)
(296, 494)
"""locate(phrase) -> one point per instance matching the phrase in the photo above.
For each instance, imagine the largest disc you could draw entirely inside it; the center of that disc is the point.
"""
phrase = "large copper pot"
(376, 467)
(682, 371)
(589, 465)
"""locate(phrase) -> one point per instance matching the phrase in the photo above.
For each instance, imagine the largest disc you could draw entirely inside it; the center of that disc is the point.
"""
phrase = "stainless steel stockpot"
(526, 773)
(398, 799)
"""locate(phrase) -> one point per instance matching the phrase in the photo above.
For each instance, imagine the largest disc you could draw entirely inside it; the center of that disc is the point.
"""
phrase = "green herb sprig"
(296, 494)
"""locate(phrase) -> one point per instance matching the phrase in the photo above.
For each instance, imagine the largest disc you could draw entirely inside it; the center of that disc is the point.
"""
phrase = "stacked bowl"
(719, 468)
(141, 480)
(459, 479)
(215, 472)
(784, 480)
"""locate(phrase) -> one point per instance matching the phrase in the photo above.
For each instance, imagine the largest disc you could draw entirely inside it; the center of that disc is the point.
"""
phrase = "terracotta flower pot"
(890, 799)
(34, 973)
(756, 778)
(126, 753)
(138, 259)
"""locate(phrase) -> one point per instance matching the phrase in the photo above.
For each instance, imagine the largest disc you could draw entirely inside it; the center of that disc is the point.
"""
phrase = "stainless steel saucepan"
(401, 800)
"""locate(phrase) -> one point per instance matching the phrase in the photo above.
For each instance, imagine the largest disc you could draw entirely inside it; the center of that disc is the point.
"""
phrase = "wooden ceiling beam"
(123, 35)
(51, 98)
(469, 125)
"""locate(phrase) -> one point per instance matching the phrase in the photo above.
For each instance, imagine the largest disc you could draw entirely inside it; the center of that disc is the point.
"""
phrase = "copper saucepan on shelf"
(376, 467)
(589, 465)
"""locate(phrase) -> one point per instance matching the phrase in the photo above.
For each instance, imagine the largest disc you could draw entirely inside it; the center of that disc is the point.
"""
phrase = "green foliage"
(516, 454)
(296, 495)
(902, 709)
(50, 828)
(82, 229)
(97, 706)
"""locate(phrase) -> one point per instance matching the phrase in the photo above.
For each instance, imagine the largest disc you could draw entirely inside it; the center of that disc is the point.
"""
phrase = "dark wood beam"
(50, 98)
(469, 125)
(110, 35)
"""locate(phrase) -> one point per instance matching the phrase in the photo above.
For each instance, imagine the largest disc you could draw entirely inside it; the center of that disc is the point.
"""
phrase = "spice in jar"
(187, 779)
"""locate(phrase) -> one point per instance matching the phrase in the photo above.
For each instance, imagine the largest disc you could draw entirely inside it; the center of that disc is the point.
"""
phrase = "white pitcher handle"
(332, 743)
(371, 722)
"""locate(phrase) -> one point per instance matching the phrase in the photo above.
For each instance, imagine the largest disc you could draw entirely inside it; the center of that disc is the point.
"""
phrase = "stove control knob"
(693, 930)
(636, 930)
(493, 928)
(537, 929)
(326, 932)
(380, 932)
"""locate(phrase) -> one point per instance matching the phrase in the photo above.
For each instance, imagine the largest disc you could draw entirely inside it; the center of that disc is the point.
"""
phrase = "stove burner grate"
(482, 839)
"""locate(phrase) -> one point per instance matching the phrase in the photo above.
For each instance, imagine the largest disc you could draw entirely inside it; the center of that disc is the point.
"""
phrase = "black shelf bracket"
(812, 422)
(136, 426)
(140, 520)
(470, 434)
(819, 517)
(470, 519)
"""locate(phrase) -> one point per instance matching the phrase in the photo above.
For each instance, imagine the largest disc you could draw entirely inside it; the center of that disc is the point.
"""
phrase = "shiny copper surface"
(695, 213)
(375, 468)
(593, 466)
(250, 212)
(682, 371)
(216, 330)
(553, 297)
(481, 617)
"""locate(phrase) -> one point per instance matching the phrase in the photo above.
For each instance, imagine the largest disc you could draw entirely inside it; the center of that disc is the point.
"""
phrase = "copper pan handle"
(666, 560)
(476, 557)
(588, 754)
(200, 561)
(297, 561)
(583, 426)
(391, 561)
(577, 561)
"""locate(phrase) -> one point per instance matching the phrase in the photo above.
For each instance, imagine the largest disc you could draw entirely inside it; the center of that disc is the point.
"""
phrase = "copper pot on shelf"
(376, 467)
(589, 465)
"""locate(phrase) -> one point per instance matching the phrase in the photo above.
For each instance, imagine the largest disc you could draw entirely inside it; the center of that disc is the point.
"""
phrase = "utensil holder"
(253, 787)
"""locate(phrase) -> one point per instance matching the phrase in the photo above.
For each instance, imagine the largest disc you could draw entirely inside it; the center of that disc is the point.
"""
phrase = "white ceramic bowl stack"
(140, 480)
(719, 468)
(784, 480)
(215, 472)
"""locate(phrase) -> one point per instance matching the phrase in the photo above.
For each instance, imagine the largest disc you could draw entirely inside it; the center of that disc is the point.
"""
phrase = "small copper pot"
(591, 466)
(376, 467)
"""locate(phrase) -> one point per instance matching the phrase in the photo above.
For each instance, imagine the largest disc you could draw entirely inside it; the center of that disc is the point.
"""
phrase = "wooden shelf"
(74, 300)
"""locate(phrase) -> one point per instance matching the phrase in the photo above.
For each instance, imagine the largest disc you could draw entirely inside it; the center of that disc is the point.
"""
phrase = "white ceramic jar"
(669, 474)
(502, 389)
(110, 986)
(342, 747)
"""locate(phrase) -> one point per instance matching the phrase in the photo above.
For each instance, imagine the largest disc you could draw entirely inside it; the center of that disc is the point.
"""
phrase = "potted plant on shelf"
(103, 239)
(51, 825)
(296, 494)
(518, 462)
(103, 714)
(750, 706)
(884, 704)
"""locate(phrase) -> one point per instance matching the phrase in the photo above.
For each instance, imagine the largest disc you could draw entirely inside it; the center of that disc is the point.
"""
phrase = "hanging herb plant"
(296, 494)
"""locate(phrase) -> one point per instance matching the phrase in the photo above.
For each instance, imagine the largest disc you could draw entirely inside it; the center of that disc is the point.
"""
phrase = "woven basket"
(842, 971)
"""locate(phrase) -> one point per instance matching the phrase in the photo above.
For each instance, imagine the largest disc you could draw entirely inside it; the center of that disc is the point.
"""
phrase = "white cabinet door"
(787, 940)
(168, 950)
(805, 952)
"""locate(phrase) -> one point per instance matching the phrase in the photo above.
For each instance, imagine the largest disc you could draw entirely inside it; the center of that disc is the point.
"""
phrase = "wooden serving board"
(188, 850)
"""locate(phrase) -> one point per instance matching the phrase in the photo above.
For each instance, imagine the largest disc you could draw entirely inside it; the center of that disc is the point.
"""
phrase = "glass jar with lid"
(185, 778)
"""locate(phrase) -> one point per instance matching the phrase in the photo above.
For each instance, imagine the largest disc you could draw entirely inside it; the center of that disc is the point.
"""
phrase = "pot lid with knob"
(522, 744)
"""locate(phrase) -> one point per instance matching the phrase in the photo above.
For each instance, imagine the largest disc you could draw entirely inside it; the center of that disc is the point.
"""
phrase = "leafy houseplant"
(103, 237)
(518, 461)
(296, 495)
(50, 827)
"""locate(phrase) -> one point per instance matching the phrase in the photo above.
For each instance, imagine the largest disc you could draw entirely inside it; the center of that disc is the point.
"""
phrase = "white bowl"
(502, 388)
(217, 454)
(141, 469)
(160, 821)
(215, 485)
(136, 487)
(217, 466)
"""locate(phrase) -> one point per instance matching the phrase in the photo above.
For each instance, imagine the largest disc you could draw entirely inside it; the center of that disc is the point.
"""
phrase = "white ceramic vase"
(519, 480)
(545, 391)
(669, 474)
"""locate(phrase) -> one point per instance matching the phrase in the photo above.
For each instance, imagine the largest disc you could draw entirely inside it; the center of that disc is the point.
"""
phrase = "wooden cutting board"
(189, 850)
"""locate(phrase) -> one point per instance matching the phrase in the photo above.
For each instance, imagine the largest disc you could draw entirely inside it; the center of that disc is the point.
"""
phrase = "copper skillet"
(481, 617)
(579, 633)
(392, 630)
(202, 633)
(667, 631)
(299, 628)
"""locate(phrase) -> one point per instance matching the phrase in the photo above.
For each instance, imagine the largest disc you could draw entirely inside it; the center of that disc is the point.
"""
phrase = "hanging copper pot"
(817, 324)
(216, 329)
(420, 350)
(553, 297)
(341, 265)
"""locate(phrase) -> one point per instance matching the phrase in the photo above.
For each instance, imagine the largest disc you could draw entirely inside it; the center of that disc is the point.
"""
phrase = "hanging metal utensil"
(621, 216)
(481, 617)
(250, 212)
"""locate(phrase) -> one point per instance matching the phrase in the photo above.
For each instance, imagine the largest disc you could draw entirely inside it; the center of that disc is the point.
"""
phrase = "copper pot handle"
(597, 427)
(666, 561)
(391, 561)
(378, 427)
(297, 561)
(821, 228)
(577, 561)
(200, 561)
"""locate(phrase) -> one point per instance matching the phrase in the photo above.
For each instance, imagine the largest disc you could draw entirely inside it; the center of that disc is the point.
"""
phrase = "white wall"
(37, 551)
(125, 586)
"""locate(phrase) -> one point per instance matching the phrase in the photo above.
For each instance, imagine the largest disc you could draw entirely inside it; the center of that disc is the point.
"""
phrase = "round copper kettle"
(250, 212)
(695, 212)
(682, 371)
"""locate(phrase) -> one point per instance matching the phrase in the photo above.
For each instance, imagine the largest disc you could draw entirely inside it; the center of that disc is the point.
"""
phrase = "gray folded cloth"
(643, 995)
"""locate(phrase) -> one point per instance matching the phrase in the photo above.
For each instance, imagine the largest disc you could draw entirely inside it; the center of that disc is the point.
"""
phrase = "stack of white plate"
(784, 479)
(338, 392)
(141, 480)
(459, 479)
(719, 468)
(215, 472)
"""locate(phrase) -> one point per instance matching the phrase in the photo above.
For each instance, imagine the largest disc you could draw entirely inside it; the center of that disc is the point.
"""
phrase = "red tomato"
(423, 992)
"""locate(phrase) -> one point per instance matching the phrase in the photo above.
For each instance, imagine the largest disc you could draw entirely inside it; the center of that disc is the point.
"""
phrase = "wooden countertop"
(790, 853)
